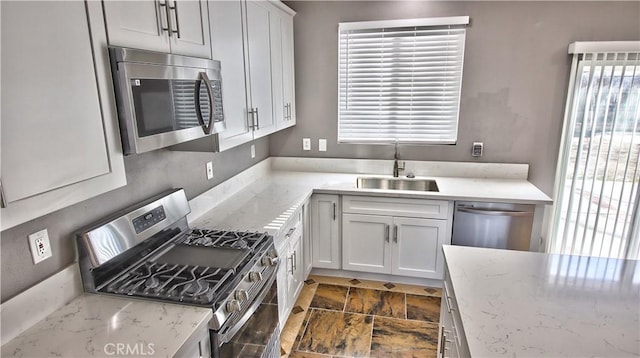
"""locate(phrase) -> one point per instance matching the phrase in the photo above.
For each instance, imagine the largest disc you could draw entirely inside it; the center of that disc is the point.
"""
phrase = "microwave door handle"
(205, 127)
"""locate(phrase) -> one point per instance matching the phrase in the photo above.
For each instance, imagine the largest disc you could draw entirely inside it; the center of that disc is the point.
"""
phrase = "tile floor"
(343, 317)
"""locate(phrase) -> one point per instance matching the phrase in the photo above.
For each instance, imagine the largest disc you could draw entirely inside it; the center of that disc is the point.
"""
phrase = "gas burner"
(241, 240)
(181, 283)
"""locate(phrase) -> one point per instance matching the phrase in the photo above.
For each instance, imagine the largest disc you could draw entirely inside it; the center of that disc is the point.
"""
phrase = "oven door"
(257, 333)
(163, 105)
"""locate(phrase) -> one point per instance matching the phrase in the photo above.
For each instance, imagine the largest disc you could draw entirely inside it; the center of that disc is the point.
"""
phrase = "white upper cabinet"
(250, 38)
(227, 44)
(288, 76)
(259, 52)
(169, 26)
(60, 143)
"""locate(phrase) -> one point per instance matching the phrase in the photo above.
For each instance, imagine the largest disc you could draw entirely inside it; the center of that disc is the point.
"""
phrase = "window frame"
(459, 22)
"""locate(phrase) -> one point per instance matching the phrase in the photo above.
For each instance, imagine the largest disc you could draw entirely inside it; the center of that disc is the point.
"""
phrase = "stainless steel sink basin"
(397, 184)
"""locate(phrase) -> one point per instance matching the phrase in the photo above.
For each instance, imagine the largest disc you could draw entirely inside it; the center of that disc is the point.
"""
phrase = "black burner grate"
(181, 283)
(222, 238)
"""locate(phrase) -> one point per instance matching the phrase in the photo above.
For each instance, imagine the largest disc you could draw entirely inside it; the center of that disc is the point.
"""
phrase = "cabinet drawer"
(415, 208)
(293, 225)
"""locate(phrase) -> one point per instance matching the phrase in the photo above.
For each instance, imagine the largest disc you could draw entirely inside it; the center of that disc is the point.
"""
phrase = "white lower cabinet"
(325, 231)
(291, 272)
(198, 345)
(452, 342)
(394, 244)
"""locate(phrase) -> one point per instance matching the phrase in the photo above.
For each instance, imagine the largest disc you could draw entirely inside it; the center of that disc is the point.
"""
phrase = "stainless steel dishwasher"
(492, 225)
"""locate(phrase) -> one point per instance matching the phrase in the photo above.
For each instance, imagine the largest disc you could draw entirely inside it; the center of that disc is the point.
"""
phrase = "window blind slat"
(399, 84)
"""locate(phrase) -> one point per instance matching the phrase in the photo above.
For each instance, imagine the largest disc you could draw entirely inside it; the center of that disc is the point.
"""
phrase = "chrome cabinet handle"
(386, 232)
(295, 260)
(204, 78)
(395, 233)
(257, 119)
(466, 209)
(166, 17)
(253, 119)
(334, 211)
(291, 258)
(175, 10)
(3, 198)
(290, 232)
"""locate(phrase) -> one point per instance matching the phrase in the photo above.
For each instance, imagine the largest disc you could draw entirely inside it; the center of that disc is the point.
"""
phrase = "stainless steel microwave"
(165, 99)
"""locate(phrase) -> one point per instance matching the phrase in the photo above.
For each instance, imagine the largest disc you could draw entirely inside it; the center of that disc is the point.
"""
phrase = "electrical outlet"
(253, 151)
(306, 143)
(40, 246)
(477, 149)
(322, 145)
(209, 170)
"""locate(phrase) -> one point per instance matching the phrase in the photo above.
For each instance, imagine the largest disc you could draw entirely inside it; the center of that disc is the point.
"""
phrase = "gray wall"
(515, 77)
(147, 175)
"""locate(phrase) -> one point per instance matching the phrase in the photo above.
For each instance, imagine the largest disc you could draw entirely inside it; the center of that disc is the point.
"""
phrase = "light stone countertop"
(267, 203)
(93, 326)
(524, 304)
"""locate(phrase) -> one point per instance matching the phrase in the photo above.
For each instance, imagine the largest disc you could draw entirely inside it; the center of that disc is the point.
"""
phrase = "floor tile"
(340, 281)
(330, 297)
(375, 302)
(299, 354)
(423, 308)
(401, 338)
(342, 334)
(295, 320)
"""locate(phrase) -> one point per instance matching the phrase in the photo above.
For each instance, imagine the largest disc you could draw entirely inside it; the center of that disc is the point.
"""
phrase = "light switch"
(253, 150)
(477, 149)
(322, 145)
(306, 143)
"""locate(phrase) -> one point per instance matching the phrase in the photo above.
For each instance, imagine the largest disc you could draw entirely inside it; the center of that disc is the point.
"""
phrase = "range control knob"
(241, 295)
(233, 306)
(269, 261)
(255, 276)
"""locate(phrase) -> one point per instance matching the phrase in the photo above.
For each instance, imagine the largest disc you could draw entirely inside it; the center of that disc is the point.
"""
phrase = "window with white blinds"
(399, 80)
(597, 206)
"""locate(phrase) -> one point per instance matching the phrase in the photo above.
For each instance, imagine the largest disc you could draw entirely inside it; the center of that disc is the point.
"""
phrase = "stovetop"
(195, 270)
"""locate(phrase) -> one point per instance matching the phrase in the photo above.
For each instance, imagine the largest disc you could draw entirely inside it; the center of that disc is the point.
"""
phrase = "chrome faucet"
(397, 166)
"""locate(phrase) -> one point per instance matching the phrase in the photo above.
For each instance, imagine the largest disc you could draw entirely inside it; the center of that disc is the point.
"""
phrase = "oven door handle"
(233, 330)
(204, 78)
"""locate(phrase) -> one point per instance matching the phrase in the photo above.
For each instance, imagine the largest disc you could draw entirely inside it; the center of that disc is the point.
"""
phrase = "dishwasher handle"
(493, 212)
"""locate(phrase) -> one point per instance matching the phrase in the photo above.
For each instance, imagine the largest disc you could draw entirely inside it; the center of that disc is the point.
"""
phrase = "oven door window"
(259, 337)
(165, 105)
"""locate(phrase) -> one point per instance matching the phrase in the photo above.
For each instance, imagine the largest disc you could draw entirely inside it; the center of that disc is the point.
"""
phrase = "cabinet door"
(137, 24)
(306, 241)
(190, 20)
(228, 47)
(417, 249)
(288, 70)
(60, 142)
(365, 243)
(297, 269)
(275, 18)
(258, 39)
(325, 237)
(283, 287)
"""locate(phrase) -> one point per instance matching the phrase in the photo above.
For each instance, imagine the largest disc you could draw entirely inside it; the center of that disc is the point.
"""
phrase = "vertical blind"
(400, 80)
(597, 191)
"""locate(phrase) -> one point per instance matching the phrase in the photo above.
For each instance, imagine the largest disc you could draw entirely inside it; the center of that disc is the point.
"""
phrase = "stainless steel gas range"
(148, 251)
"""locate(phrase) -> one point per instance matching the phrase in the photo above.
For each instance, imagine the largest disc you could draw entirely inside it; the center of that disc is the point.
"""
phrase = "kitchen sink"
(397, 184)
